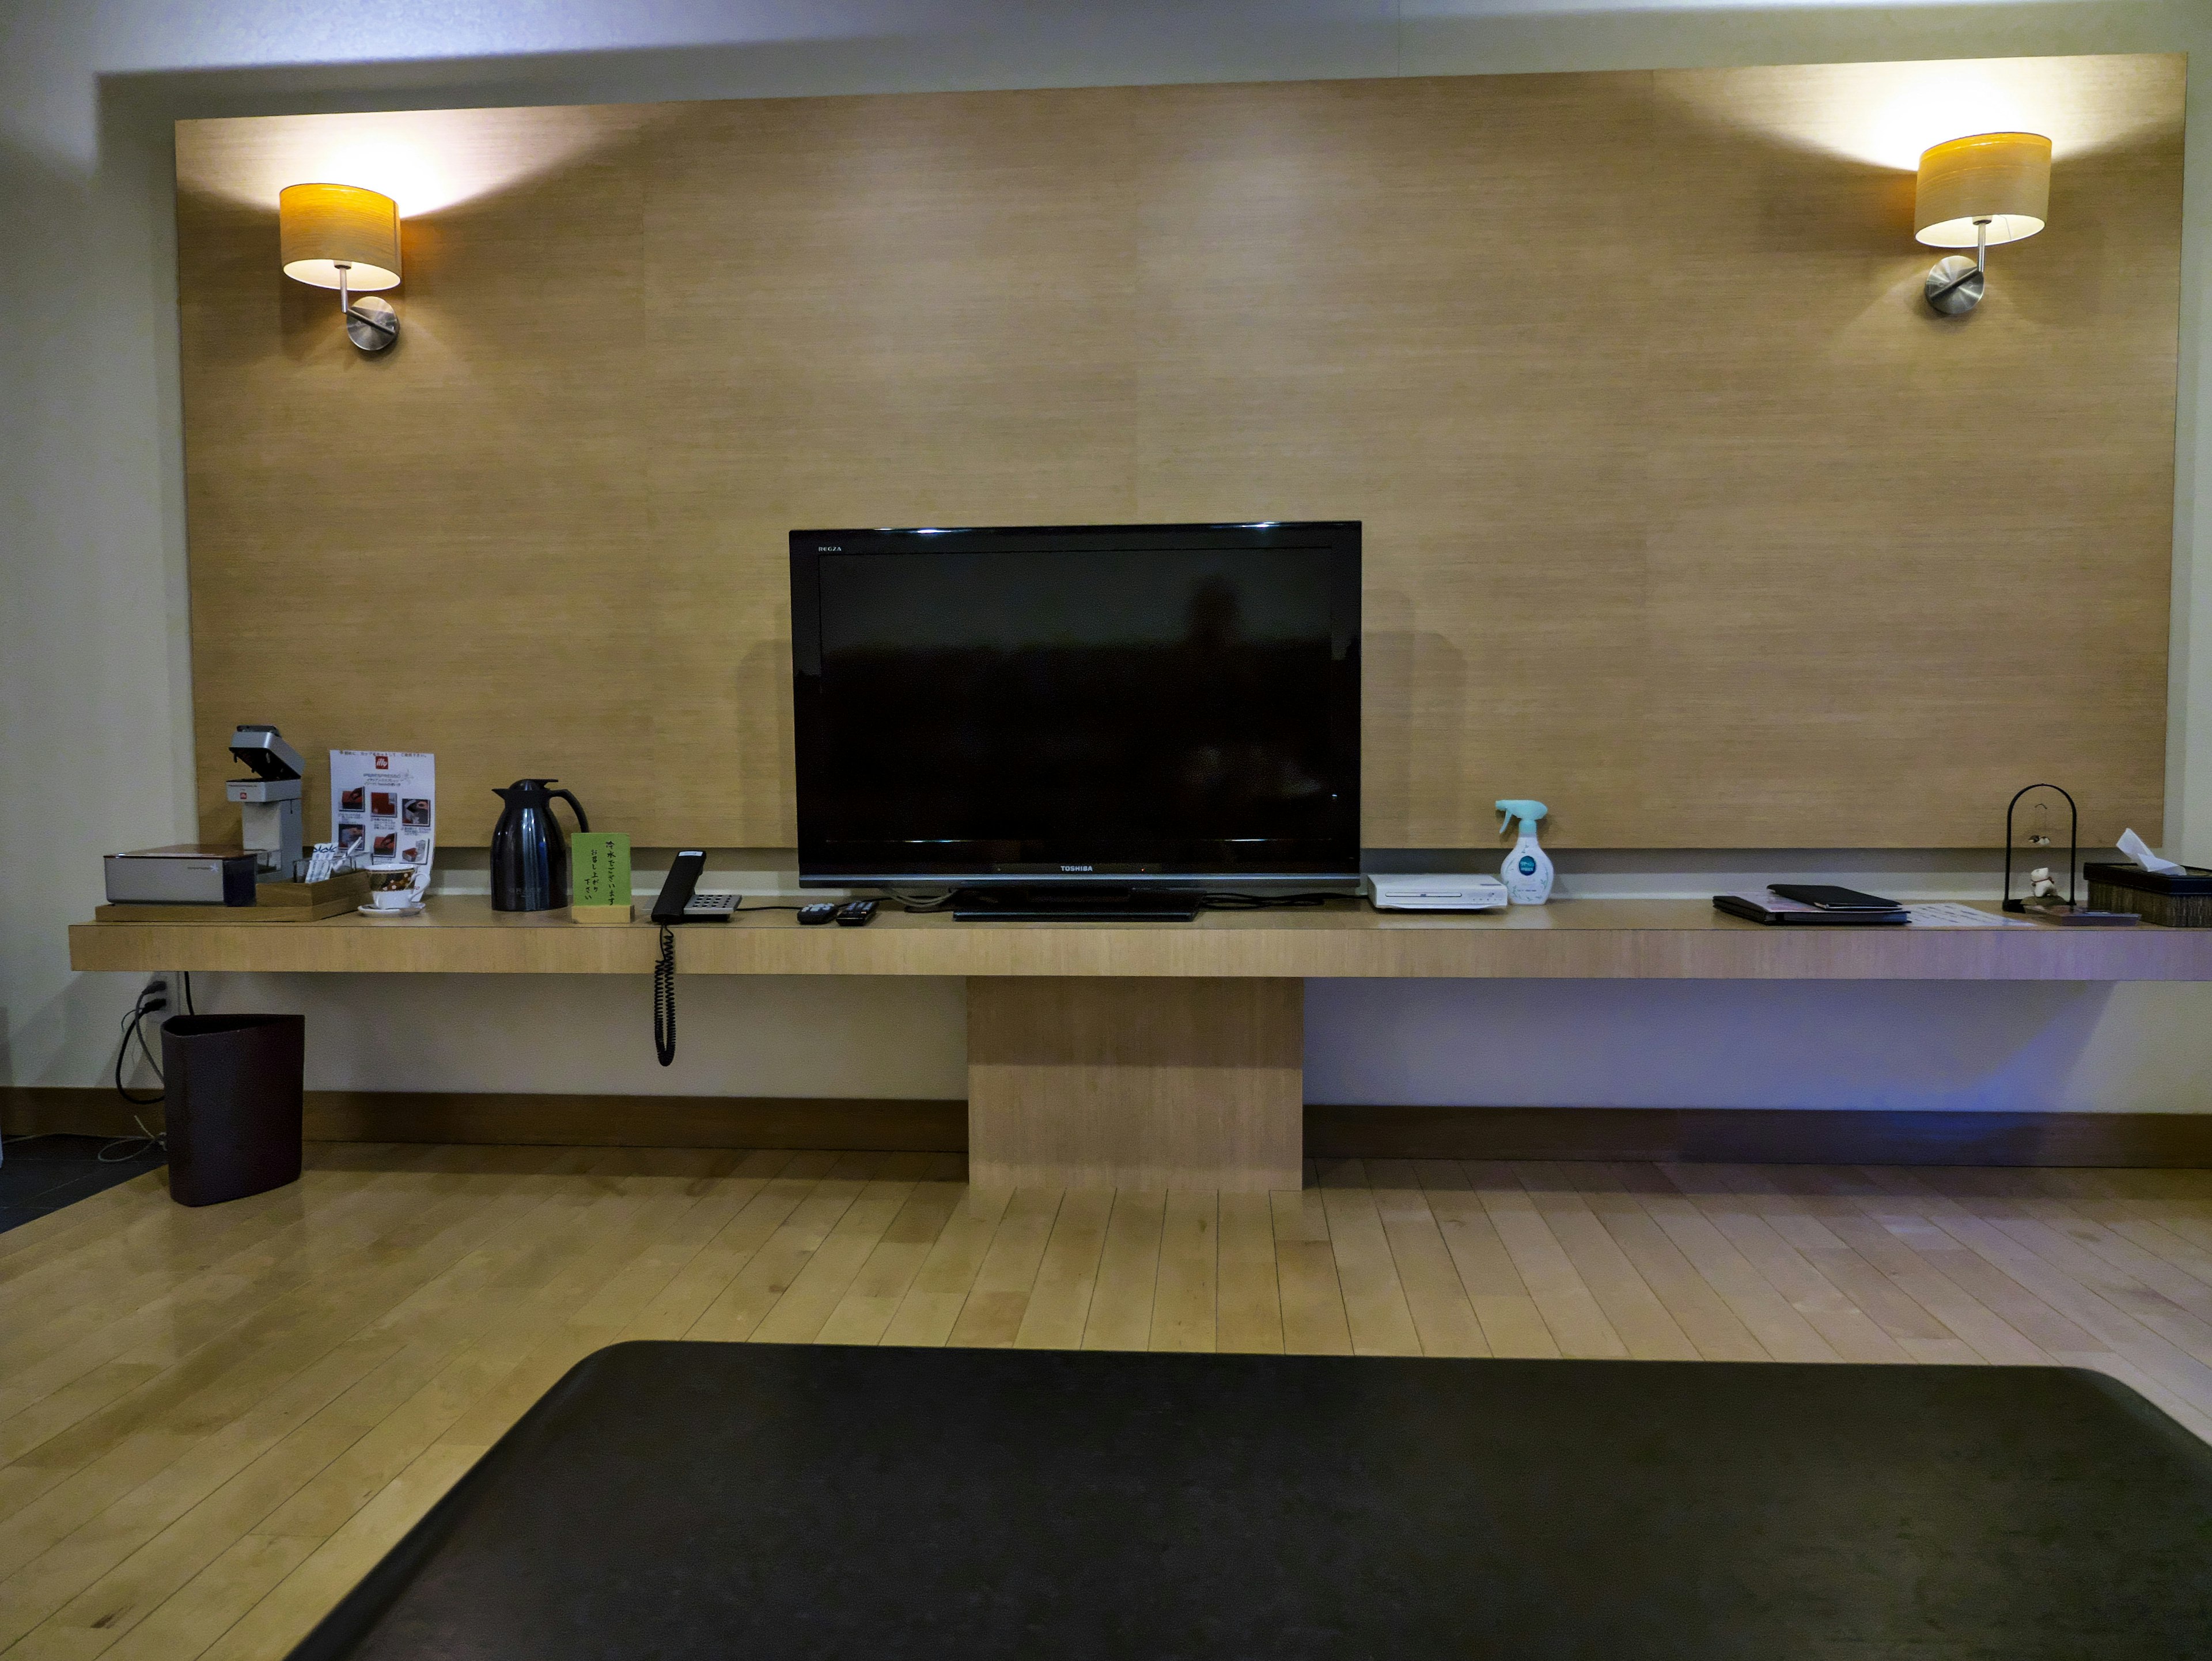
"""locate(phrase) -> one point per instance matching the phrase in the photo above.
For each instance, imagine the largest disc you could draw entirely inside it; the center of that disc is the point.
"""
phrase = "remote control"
(821, 911)
(856, 914)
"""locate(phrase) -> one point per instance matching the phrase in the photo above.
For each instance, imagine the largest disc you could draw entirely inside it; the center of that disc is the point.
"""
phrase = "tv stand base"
(1074, 904)
(1155, 1083)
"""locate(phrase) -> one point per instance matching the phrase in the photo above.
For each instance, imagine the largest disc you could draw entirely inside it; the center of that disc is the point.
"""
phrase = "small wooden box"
(273, 902)
(602, 912)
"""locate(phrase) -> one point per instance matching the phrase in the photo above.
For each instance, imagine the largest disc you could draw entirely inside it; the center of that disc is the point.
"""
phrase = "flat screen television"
(1140, 708)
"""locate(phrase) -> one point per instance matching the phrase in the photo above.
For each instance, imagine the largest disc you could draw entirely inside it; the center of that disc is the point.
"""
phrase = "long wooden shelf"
(1576, 939)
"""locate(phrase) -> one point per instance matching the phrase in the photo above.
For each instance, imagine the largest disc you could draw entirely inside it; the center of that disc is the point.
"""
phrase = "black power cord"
(1263, 902)
(151, 1000)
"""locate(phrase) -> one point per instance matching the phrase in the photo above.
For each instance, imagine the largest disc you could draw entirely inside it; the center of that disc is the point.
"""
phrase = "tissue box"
(2174, 899)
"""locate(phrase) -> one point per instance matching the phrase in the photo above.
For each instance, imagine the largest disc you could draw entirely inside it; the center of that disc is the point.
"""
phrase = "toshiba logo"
(1075, 868)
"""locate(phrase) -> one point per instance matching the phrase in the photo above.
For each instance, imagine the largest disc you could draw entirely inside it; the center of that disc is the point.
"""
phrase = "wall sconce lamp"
(338, 236)
(1977, 192)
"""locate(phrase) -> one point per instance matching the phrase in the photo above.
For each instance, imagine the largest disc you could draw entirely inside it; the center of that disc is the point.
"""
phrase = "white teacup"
(392, 899)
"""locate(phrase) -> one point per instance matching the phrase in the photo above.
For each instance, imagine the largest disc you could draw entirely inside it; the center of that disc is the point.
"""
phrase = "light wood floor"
(213, 1421)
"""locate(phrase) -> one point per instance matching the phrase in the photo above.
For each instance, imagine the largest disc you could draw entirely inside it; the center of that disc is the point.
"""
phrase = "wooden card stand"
(603, 914)
(273, 902)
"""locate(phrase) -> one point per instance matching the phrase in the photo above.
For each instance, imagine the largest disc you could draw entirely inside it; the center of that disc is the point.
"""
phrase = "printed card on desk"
(599, 862)
(384, 803)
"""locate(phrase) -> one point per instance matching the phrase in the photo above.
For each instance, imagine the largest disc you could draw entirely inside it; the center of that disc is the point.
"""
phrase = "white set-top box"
(1456, 892)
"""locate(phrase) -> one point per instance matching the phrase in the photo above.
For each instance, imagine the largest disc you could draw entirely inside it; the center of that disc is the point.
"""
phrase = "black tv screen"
(1103, 704)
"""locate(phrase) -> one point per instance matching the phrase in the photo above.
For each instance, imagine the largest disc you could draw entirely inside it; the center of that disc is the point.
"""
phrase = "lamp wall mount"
(371, 323)
(1956, 282)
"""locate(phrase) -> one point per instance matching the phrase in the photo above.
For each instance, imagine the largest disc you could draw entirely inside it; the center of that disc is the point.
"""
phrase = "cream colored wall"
(94, 677)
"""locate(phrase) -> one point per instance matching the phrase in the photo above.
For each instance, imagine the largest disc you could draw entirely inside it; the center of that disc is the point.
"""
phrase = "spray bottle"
(1527, 868)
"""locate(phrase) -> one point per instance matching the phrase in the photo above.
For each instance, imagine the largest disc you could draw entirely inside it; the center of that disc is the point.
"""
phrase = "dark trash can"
(233, 1086)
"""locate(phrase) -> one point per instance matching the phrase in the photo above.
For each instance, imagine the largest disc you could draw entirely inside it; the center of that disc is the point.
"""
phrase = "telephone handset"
(677, 903)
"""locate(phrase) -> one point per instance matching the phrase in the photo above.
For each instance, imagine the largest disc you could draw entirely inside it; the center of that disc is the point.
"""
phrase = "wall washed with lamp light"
(96, 675)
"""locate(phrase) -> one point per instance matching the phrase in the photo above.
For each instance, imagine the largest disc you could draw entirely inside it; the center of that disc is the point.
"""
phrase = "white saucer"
(413, 910)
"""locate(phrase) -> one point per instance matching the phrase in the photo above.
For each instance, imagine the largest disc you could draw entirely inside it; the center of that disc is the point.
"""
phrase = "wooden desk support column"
(1097, 1082)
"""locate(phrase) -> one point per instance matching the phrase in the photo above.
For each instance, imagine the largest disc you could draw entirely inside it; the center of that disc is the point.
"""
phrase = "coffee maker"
(268, 802)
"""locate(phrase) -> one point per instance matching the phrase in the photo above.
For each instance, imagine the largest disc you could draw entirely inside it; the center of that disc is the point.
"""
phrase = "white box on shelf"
(1456, 892)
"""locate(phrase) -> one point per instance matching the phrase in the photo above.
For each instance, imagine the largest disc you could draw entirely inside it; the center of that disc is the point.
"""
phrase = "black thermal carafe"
(529, 854)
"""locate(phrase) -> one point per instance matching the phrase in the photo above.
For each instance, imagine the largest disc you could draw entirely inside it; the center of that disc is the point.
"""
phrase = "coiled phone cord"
(663, 998)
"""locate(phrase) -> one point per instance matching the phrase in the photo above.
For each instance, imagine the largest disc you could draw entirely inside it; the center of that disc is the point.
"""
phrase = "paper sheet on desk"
(1949, 914)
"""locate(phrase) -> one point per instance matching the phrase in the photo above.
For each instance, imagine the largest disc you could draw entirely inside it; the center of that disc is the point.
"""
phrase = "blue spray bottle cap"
(1517, 808)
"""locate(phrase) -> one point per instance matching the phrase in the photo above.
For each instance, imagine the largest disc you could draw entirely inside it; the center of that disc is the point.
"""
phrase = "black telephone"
(677, 903)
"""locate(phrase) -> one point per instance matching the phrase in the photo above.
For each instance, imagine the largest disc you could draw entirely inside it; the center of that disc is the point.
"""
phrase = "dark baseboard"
(932, 1127)
(44, 1110)
(1691, 1135)
(1697, 1135)
(362, 1116)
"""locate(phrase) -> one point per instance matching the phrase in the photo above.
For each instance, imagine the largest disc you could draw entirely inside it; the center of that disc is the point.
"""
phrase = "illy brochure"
(383, 805)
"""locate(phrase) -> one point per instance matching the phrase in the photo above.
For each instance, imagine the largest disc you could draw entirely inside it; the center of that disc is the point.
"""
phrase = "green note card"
(601, 861)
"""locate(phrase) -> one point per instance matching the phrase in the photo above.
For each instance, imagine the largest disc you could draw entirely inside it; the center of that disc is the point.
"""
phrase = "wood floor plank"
(212, 1387)
(89, 1219)
(1981, 1277)
(830, 1269)
(1185, 1290)
(1375, 1307)
(1704, 1315)
(1311, 1301)
(1577, 1324)
(1849, 1331)
(2067, 1305)
(1444, 1320)
(1646, 1327)
(2168, 1300)
(1059, 1303)
(1786, 1334)
(207, 1279)
(194, 1469)
(275, 1624)
(1248, 1301)
(757, 1287)
(926, 1315)
(1794, 1218)
(1128, 1273)
(2117, 1220)
(707, 1274)
(160, 1532)
(1964, 1317)
(213, 1601)
(1511, 1323)
(865, 1311)
(245, 1405)
(992, 1315)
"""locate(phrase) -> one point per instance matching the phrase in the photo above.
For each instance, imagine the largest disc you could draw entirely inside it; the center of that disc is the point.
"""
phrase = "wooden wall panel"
(1681, 512)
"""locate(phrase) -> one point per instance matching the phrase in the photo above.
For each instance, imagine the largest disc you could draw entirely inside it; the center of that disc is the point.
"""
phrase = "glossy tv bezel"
(1264, 862)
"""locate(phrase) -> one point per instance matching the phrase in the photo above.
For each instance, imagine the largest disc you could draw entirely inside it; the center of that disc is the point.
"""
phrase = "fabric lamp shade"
(2002, 177)
(321, 226)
